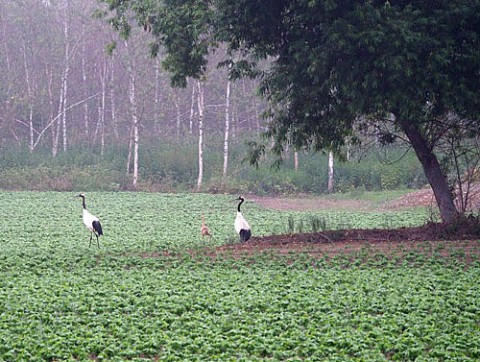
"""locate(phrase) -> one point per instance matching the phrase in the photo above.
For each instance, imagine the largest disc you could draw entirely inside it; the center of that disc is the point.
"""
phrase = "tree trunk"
(201, 108)
(29, 98)
(51, 106)
(227, 128)
(100, 127)
(66, 72)
(113, 112)
(330, 172)
(64, 113)
(192, 108)
(433, 171)
(178, 117)
(56, 126)
(134, 114)
(85, 83)
(130, 146)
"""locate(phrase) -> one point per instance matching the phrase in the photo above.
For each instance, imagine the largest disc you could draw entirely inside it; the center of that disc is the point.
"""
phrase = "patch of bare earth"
(425, 240)
(308, 203)
(432, 238)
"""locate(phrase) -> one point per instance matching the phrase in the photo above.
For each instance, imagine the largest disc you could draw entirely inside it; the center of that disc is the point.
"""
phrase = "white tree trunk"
(136, 139)
(85, 85)
(192, 108)
(295, 160)
(29, 98)
(113, 112)
(100, 128)
(66, 71)
(201, 108)
(54, 123)
(64, 112)
(227, 130)
(56, 128)
(330, 172)
(179, 115)
(49, 75)
(134, 113)
(130, 147)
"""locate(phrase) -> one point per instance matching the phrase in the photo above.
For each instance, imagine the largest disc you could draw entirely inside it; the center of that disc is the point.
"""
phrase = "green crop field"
(144, 296)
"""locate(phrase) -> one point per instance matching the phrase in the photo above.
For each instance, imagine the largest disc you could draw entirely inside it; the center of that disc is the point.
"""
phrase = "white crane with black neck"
(241, 225)
(92, 223)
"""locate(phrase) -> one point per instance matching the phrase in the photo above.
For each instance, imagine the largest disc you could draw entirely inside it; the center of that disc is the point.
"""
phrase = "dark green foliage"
(336, 64)
(171, 167)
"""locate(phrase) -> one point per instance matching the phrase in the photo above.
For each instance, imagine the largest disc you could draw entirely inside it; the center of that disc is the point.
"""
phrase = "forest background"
(79, 114)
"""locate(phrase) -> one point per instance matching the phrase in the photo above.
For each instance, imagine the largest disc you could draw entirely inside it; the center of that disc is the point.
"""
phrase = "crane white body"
(241, 225)
(91, 222)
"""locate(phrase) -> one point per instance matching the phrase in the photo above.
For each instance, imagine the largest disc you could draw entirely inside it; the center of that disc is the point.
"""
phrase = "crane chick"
(92, 223)
(241, 225)
(205, 230)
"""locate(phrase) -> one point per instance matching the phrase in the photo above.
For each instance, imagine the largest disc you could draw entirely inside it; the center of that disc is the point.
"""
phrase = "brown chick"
(205, 230)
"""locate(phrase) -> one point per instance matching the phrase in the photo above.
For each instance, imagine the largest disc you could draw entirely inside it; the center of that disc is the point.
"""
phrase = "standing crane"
(92, 223)
(241, 225)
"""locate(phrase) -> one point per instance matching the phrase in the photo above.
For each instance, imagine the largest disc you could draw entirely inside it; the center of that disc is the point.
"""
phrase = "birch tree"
(113, 97)
(63, 97)
(330, 172)
(227, 130)
(85, 83)
(201, 109)
(29, 95)
(135, 137)
(100, 127)
(178, 116)
(192, 108)
(66, 73)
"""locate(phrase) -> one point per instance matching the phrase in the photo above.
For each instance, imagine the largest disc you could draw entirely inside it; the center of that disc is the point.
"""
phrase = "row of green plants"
(156, 291)
(166, 166)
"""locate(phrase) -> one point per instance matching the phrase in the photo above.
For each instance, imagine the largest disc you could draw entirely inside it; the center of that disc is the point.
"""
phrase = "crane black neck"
(240, 203)
(83, 201)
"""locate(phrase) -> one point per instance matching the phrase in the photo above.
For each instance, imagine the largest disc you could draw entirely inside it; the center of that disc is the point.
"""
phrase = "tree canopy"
(334, 66)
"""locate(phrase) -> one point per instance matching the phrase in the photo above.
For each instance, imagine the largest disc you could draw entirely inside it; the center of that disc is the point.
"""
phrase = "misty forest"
(82, 108)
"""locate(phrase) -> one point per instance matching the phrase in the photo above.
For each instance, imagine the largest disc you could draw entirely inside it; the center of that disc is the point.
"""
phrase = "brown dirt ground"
(443, 240)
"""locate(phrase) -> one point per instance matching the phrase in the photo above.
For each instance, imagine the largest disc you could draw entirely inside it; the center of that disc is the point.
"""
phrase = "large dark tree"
(336, 64)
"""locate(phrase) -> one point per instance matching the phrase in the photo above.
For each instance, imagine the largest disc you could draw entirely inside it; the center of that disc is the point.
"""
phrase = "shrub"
(171, 166)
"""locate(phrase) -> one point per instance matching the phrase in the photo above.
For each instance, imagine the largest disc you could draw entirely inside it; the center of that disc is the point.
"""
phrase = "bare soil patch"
(461, 239)
(426, 239)
(419, 198)
(308, 203)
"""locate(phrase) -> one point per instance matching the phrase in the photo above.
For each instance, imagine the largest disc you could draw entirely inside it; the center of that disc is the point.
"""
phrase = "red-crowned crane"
(91, 222)
(241, 225)
(205, 230)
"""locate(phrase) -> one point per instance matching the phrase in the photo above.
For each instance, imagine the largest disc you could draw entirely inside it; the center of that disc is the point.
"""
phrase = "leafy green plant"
(156, 291)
